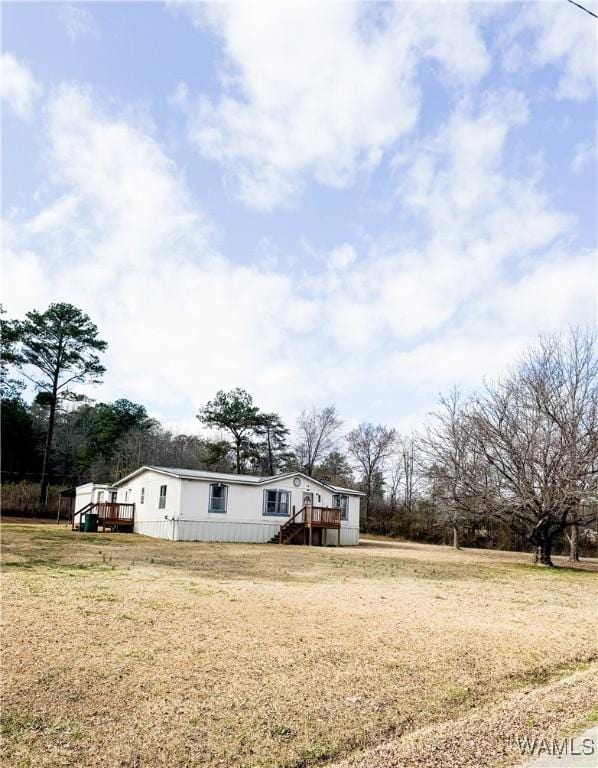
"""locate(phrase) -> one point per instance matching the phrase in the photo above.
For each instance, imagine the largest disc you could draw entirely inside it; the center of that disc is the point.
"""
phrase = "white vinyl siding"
(276, 503)
(218, 497)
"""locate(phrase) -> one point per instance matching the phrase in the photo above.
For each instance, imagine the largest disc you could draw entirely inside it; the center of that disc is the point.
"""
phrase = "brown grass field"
(124, 651)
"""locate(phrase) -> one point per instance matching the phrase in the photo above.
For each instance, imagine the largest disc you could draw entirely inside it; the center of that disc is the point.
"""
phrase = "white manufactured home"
(94, 493)
(193, 505)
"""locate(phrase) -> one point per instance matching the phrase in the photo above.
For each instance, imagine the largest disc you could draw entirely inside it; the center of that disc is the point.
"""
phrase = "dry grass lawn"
(125, 651)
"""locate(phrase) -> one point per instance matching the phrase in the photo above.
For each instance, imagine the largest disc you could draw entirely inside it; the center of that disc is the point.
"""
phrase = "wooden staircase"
(305, 521)
(287, 533)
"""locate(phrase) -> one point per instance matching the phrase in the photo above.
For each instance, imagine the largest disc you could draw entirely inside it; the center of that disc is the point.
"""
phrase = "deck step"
(289, 533)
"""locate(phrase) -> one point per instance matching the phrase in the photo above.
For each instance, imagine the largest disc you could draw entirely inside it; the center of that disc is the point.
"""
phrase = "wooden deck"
(110, 514)
(303, 523)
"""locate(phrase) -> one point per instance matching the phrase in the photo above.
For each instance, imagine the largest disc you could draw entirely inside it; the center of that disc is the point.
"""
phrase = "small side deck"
(310, 525)
(111, 514)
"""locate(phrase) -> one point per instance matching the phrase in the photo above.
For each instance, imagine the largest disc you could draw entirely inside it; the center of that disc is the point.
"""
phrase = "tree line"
(62, 437)
(512, 464)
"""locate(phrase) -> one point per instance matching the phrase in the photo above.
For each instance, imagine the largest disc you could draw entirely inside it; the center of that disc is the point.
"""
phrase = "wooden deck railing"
(325, 517)
(113, 513)
(311, 517)
(307, 519)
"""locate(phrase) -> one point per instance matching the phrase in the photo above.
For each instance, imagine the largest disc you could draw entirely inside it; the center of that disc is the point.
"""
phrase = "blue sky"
(357, 204)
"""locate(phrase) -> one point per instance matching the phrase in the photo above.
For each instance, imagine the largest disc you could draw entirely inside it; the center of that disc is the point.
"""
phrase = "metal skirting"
(223, 530)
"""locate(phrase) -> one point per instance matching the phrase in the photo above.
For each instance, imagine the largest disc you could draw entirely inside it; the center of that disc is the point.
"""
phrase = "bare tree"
(370, 445)
(395, 484)
(160, 447)
(573, 539)
(453, 463)
(538, 432)
(408, 461)
(318, 430)
(402, 476)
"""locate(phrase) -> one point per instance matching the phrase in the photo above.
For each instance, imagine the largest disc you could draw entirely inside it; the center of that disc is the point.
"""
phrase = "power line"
(587, 10)
(37, 474)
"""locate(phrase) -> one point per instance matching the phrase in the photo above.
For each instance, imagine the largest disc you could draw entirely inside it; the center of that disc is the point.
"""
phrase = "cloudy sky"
(321, 203)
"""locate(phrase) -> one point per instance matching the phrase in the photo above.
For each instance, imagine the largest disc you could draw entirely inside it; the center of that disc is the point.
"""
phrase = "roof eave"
(350, 491)
(145, 468)
(251, 482)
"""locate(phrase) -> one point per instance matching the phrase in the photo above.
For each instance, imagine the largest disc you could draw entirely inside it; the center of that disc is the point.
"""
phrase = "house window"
(339, 501)
(113, 495)
(277, 503)
(162, 502)
(142, 497)
(100, 497)
(127, 496)
(218, 497)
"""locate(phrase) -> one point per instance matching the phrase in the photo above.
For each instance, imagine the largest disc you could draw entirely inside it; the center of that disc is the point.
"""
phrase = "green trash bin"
(90, 523)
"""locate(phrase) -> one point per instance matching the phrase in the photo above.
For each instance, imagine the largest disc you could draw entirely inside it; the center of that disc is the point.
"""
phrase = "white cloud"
(559, 291)
(342, 257)
(125, 240)
(562, 36)
(322, 89)
(120, 234)
(133, 206)
(492, 333)
(479, 226)
(457, 358)
(18, 86)
(584, 155)
(78, 21)
(51, 219)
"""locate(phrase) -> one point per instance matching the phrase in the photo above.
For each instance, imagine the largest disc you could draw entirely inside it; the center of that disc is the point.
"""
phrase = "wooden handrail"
(288, 523)
(86, 508)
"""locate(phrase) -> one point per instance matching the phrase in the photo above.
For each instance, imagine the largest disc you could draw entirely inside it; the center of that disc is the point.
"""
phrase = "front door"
(113, 497)
(308, 500)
